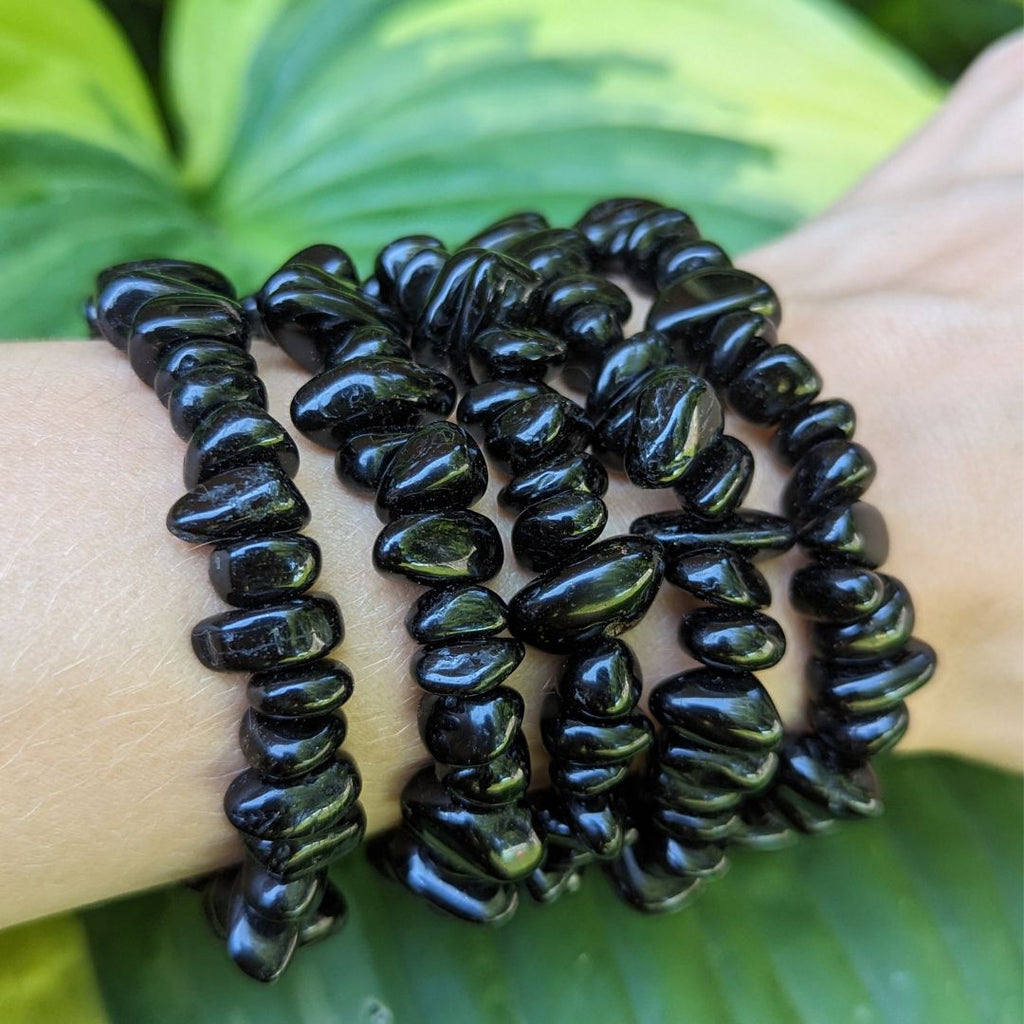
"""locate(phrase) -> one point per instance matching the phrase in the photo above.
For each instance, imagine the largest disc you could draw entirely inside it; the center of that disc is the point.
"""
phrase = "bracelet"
(296, 807)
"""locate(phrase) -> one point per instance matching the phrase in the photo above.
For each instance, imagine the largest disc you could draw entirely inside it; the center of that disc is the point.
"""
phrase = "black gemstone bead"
(598, 823)
(198, 275)
(368, 342)
(810, 769)
(501, 781)
(292, 857)
(728, 709)
(650, 890)
(835, 593)
(248, 573)
(482, 402)
(498, 843)
(609, 224)
(285, 809)
(559, 299)
(676, 260)
(732, 638)
(552, 253)
(698, 790)
(709, 767)
(804, 815)
(558, 529)
(302, 629)
(556, 877)
(694, 827)
(685, 860)
(260, 947)
(467, 666)
(362, 458)
(406, 269)
(625, 366)
(207, 388)
(248, 501)
(327, 919)
(775, 383)
(523, 435)
(587, 779)
(440, 547)
(831, 474)
(749, 533)
(800, 430)
(719, 576)
(577, 472)
(734, 341)
(881, 634)
(502, 233)
(180, 360)
(283, 748)
(717, 480)
(862, 687)
(593, 741)
(652, 233)
(470, 730)
(859, 737)
(763, 826)
(674, 418)
(369, 394)
(591, 331)
(459, 612)
(602, 680)
(439, 467)
(328, 258)
(277, 900)
(238, 434)
(847, 535)
(603, 593)
(515, 354)
(314, 688)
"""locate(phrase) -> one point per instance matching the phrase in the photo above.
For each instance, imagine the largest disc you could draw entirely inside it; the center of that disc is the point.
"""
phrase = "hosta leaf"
(913, 917)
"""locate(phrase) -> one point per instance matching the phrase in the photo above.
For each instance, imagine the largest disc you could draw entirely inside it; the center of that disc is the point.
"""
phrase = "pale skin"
(117, 745)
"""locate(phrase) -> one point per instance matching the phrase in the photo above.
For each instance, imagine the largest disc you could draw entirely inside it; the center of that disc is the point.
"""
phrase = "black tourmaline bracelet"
(297, 806)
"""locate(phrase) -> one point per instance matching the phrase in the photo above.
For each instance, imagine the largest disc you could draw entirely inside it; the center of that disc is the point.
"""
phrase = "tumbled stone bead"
(576, 472)
(476, 900)
(678, 259)
(483, 401)
(835, 593)
(674, 418)
(207, 388)
(748, 532)
(362, 458)
(269, 808)
(587, 827)
(763, 826)
(694, 827)
(558, 529)
(719, 576)
(283, 748)
(498, 842)
(625, 366)
(248, 501)
(650, 234)
(732, 343)
(440, 547)
(238, 434)
(809, 768)
(709, 766)
(552, 253)
(369, 394)
(876, 685)
(535, 430)
(406, 269)
(802, 429)
(554, 879)
(717, 480)
(650, 891)
(773, 384)
(591, 331)
(698, 791)
(847, 535)
(180, 360)
(277, 900)
(506, 230)
(503, 780)
(458, 612)
(880, 634)
(467, 666)
(262, 948)
(603, 679)
(859, 737)
(832, 473)
(515, 354)
(593, 741)
(248, 640)
(602, 594)
(587, 779)
(731, 709)
(609, 223)
(329, 917)
(470, 730)
(199, 275)
(371, 341)
(805, 815)
(248, 573)
(328, 258)
(439, 467)
(292, 857)
(612, 431)
(167, 320)
(312, 688)
(560, 298)
(732, 638)
(685, 860)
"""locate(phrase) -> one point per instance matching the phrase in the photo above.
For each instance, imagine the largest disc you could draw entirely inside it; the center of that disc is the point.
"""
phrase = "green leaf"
(913, 917)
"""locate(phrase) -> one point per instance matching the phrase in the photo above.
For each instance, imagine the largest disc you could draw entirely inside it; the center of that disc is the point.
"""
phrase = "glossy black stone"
(674, 418)
(313, 688)
(728, 709)
(591, 331)
(598, 824)
(732, 344)
(775, 383)
(763, 826)
(831, 474)
(406, 269)
(880, 634)
(625, 366)
(292, 857)
(506, 230)
(248, 501)
(648, 888)
(593, 741)
(180, 360)
(558, 529)
(877, 685)
(439, 467)
(732, 638)
(483, 401)
(602, 594)
(440, 547)
(651, 234)
(260, 947)
(683, 860)
(277, 900)
(719, 576)
(500, 781)
(587, 779)
(238, 434)
(329, 917)
(693, 827)
(249, 640)
(559, 299)
(370, 341)
(804, 815)
(470, 730)
(685, 763)
(553, 253)
(515, 354)
(555, 878)
(859, 737)
(459, 612)
(835, 593)
(699, 791)
(678, 259)
(609, 224)
(328, 258)
(369, 394)
(248, 573)
(817, 773)
(847, 535)
(284, 748)
(362, 458)
(800, 430)
(602, 680)
(576, 472)
(749, 533)
(207, 388)
(498, 843)
(717, 480)
(269, 808)
(467, 666)
(536, 430)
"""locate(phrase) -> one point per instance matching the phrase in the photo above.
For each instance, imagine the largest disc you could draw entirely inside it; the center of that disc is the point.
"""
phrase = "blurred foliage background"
(238, 130)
